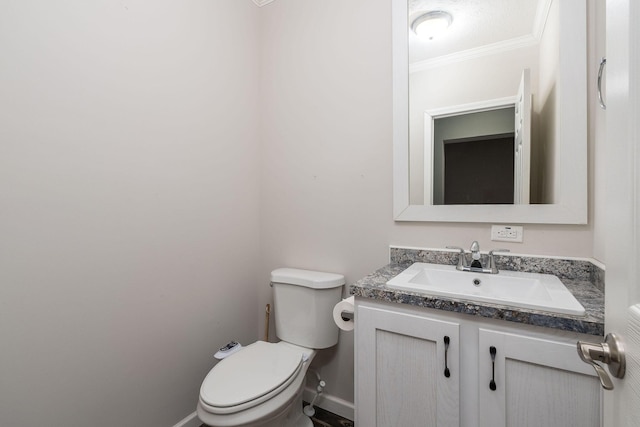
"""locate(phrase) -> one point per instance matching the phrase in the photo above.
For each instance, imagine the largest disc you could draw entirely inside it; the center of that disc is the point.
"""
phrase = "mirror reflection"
(473, 158)
(482, 97)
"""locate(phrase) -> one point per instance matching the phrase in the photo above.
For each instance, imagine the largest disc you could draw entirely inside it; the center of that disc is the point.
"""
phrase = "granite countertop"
(584, 290)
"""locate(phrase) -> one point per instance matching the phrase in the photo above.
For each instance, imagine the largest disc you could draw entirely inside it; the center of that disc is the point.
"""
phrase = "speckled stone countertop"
(582, 278)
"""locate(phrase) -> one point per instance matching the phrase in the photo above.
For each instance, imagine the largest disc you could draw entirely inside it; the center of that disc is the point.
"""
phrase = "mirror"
(468, 77)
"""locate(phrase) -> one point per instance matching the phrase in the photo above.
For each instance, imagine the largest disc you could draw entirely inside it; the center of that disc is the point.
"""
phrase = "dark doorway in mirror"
(479, 170)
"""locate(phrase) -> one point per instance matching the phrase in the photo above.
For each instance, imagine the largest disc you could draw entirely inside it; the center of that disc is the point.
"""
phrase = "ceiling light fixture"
(431, 24)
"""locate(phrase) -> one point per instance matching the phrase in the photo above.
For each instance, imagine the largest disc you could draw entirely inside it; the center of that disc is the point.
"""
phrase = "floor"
(324, 418)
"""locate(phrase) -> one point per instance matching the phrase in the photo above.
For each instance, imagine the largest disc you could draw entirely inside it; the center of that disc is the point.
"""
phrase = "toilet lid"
(252, 372)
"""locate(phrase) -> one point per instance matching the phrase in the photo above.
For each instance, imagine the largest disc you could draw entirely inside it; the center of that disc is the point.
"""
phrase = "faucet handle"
(492, 251)
(462, 260)
(492, 261)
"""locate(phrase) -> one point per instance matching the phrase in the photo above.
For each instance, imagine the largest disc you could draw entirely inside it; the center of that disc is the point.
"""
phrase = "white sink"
(535, 291)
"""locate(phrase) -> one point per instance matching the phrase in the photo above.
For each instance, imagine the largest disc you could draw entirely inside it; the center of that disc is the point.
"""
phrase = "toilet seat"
(251, 376)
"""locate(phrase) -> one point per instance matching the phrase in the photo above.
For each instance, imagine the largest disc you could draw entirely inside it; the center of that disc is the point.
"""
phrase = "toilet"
(262, 383)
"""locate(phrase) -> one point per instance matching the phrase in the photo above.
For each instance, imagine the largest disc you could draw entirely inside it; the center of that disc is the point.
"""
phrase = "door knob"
(610, 352)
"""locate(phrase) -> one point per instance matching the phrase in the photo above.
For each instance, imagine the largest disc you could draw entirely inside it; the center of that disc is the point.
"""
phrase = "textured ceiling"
(476, 23)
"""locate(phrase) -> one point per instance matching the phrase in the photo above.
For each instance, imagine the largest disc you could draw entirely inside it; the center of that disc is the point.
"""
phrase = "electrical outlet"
(507, 233)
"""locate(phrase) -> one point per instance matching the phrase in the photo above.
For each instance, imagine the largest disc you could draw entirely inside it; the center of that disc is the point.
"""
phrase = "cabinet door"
(400, 370)
(538, 382)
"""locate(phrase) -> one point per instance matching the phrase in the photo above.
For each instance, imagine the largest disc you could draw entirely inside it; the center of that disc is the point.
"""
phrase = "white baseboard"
(331, 403)
(190, 420)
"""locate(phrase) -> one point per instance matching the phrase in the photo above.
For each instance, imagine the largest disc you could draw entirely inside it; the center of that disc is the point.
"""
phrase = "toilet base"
(292, 416)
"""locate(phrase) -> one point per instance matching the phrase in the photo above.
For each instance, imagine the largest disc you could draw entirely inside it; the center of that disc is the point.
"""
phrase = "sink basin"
(543, 292)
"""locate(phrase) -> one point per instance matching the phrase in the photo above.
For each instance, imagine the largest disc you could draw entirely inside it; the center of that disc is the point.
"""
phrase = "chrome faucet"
(475, 255)
(476, 263)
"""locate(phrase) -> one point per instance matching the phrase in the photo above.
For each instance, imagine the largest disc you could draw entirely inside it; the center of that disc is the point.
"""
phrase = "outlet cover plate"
(507, 233)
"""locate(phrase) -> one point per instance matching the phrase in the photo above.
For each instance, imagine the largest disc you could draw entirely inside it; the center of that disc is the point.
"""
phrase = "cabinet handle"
(492, 383)
(447, 373)
(603, 62)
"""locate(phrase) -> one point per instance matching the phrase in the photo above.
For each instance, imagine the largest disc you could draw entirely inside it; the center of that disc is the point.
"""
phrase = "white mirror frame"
(571, 191)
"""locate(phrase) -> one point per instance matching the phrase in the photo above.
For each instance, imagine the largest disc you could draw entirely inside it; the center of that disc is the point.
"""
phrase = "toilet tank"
(303, 306)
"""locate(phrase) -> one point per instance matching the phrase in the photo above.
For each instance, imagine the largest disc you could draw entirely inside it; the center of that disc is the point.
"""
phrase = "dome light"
(431, 24)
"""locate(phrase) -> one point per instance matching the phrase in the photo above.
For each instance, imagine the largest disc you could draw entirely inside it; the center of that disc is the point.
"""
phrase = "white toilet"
(262, 384)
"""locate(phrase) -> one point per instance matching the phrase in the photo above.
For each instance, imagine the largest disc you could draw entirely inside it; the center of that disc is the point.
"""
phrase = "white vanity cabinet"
(400, 370)
(539, 381)
(400, 362)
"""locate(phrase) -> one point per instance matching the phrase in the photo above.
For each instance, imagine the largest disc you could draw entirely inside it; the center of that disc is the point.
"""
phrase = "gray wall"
(128, 205)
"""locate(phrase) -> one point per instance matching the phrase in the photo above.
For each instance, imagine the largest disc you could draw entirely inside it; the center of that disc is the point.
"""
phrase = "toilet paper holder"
(347, 315)
(343, 314)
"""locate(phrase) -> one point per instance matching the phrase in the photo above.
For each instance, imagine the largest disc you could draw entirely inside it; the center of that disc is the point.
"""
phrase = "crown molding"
(491, 49)
(540, 22)
(261, 3)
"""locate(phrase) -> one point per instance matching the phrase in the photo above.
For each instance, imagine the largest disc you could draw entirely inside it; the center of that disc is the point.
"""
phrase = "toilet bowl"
(262, 383)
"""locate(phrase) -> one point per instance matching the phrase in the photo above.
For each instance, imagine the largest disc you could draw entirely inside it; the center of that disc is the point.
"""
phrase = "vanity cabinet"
(400, 380)
(400, 375)
(538, 382)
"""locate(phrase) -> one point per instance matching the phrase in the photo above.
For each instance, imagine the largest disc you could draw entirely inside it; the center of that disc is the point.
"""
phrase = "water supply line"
(266, 323)
(308, 410)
